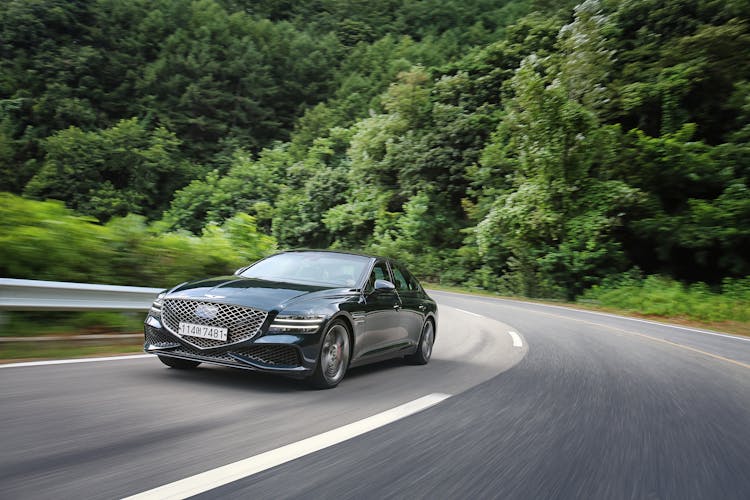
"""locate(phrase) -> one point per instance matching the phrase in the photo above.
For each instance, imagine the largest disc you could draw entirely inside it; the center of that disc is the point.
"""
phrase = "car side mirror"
(384, 286)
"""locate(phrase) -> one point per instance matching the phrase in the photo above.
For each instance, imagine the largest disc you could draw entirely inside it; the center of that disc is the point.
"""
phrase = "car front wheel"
(333, 360)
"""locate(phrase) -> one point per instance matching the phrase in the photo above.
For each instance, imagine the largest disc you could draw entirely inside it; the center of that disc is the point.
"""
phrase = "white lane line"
(596, 313)
(76, 360)
(469, 312)
(517, 342)
(220, 476)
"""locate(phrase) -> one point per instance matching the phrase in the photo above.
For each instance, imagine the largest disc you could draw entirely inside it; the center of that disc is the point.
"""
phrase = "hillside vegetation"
(528, 147)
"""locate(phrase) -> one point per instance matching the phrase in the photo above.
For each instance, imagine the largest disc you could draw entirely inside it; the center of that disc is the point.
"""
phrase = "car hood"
(249, 292)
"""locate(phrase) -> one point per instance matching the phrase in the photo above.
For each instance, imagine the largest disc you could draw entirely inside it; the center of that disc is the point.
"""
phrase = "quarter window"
(404, 280)
(413, 284)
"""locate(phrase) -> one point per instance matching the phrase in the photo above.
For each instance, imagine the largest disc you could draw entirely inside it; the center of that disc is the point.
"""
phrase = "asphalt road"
(592, 406)
(114, 428)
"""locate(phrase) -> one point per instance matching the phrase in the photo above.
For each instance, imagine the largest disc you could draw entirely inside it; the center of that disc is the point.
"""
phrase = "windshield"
(320, 268)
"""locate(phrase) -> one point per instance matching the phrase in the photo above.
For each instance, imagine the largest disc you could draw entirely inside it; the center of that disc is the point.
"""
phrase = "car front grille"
(242, 323)
(155, 338)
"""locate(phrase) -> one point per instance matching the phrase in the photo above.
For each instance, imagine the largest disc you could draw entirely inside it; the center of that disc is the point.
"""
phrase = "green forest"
(562, 150)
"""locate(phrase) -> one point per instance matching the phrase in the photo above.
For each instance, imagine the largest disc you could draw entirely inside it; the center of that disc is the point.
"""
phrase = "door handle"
(397, 307)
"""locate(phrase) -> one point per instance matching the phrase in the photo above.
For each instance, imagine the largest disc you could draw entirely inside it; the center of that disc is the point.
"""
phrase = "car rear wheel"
(180, 364)
(333, 360)
(424, 349)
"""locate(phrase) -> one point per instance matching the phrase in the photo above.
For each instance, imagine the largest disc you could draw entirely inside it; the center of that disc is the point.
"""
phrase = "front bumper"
(289, 355)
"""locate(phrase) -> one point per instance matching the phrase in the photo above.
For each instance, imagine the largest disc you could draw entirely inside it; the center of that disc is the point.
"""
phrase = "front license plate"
(203, 331)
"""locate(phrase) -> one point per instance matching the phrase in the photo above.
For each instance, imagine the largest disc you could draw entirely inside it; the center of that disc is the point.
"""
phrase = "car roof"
(345, 252)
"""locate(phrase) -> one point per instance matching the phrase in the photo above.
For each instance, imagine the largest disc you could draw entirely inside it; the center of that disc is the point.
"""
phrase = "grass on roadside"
(46, 323)
(659, 296)
(27, 351)
(39, 323)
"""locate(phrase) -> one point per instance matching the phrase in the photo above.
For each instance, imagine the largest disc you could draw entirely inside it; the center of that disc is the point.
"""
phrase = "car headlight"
(295, 323)
(156, 306)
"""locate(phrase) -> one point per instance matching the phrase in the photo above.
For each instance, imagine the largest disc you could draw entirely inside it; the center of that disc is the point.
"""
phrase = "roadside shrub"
(44, 240)
(662, 296)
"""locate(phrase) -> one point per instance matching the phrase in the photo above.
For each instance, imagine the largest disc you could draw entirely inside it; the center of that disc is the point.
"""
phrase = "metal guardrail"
(27, 295)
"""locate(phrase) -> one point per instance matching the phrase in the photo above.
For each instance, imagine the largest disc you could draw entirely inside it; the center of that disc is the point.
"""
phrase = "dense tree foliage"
(531, 147)
(116, 171)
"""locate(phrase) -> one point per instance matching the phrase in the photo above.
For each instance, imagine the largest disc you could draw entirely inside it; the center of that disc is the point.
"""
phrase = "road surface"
(545, 402)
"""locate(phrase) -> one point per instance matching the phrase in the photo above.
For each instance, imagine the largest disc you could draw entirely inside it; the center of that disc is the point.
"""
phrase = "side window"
(411, 282)
(379, 272)
(405, 282)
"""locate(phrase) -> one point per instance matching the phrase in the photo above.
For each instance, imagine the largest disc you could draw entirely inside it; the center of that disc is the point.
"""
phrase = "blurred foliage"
(45, 240)
(528, 147)
(52, 350)
(36, 323)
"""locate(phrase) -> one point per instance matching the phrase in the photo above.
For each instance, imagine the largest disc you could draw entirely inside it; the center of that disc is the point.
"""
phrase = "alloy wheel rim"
(427, 340)
(335, 353)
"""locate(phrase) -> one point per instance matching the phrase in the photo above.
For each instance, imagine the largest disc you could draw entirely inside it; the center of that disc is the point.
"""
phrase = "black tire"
(334, 356)
(424, 349)
(180, 364)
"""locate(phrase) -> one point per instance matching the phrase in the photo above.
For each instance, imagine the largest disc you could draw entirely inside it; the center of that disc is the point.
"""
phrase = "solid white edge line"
(610, 315)
(517, 342)
(469, 312)
(220, 476)
(76, 360)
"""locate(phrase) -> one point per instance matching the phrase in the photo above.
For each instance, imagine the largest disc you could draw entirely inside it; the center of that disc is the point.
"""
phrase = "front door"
(383, 329)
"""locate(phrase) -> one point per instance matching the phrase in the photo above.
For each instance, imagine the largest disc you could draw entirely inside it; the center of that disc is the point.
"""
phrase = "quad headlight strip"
(296, 324)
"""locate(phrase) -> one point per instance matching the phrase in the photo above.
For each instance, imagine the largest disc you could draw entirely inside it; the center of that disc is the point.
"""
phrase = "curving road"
(589, 406)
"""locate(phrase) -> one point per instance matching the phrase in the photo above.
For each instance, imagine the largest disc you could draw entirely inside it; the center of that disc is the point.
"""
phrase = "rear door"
(412, 306)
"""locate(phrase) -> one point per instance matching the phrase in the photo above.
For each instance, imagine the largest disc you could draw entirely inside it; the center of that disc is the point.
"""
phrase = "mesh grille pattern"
(278, 355)
(153, 337)
(275, 355)
(219, 356)
(242, 323)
